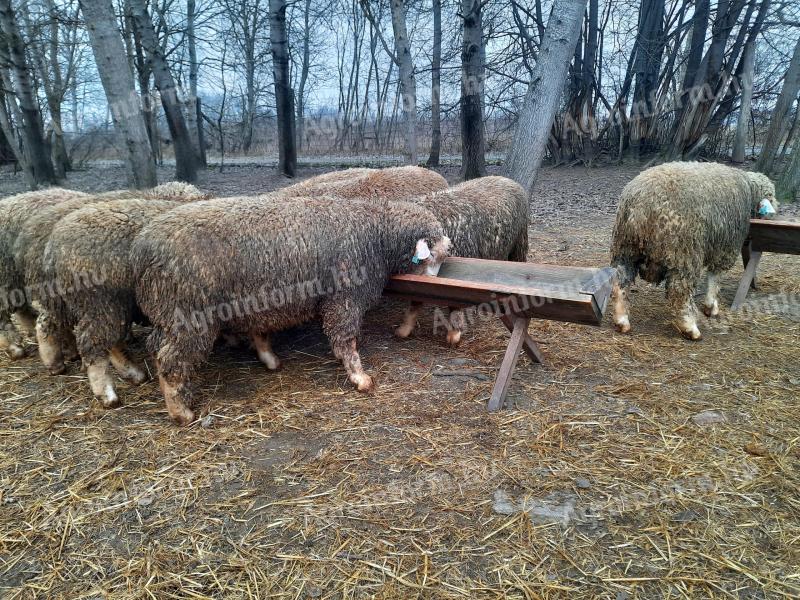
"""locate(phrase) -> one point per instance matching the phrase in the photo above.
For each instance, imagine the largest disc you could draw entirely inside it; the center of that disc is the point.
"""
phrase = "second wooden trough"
(515, 293)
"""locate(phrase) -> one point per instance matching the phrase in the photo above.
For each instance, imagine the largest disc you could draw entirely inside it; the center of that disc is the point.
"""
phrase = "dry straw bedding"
(298, 487)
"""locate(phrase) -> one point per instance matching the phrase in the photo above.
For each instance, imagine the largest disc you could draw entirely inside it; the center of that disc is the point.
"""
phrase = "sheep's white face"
(428, 260)
(765, 190)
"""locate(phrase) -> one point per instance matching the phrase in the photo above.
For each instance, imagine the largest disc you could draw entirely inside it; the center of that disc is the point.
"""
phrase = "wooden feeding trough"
(515, 293)
(781, 237)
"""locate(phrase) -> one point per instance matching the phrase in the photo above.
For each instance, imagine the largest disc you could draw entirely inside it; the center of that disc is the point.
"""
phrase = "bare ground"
(631, 466)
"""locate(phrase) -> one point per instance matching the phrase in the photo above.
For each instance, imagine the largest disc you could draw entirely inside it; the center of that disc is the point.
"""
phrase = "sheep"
(257, 267)
(86, 258)
(24, 267)
(394, 183)
(674, 221)
(14, 211)
(484, 218)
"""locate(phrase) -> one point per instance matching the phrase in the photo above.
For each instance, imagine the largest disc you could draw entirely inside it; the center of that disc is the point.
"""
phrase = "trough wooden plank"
(782, 237)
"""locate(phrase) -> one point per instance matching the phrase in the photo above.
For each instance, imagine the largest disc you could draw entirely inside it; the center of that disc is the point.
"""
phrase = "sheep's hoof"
(109, 399)
(57, 369)
(135, 376)
(403, 331)
(693, 334)
(453, 338)
(623, 325)
(363, 382)
(16, 352)
(711, 311)
(181, 415)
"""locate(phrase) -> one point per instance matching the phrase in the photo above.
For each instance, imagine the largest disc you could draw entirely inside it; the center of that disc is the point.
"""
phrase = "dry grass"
(299, 487)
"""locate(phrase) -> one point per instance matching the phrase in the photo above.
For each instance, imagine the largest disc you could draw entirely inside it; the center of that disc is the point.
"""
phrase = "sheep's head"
(763, 189)
(429, 254)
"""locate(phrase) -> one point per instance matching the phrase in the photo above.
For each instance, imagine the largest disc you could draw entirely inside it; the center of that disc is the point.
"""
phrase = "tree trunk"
(789, 182)
(473, 144)
(185, 161)
(743, 125)
(304, 68)
(194, 117)
(36, 149)
(408, 83)
(647, 66)
(436, 76)
(284, 95)
(112, 65)
(778, 123)
(544, 92)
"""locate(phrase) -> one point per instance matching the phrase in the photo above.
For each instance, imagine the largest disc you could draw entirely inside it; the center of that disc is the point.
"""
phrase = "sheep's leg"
(50, 334)
(679, 296)
(263, 346)
(26, 318)
(619, 297)
(69, 347)
(9, 336)
(456, 328)
(126, 368)
(102, 383)
(100, 330)
(175, 395)
(410, 316)
(341, 321)
(178, 353)
(711, 302)
(347, 352)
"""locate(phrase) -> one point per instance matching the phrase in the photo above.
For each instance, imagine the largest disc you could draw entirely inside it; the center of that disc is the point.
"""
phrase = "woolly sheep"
(257, 267)
(394, 183)
(86, 258)
(14, 212)
(484, 218)
(676, 220)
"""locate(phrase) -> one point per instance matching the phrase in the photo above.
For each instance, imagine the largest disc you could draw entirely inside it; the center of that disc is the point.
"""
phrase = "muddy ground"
(637, 465)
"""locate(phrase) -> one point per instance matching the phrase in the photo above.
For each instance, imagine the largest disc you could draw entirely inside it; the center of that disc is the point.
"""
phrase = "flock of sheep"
(80, 269)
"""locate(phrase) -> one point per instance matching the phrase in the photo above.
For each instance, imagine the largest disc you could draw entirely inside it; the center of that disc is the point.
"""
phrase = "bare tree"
(408, 82)
(473, 144)
(544, 92)
(185, 155)
(743, 122)
(194, 107)
(778, 124)
(436, 84)
(284, 95)
(123, 101)
(13, 55)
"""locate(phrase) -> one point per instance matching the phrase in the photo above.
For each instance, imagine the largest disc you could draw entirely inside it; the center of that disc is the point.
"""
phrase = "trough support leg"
(528, 344)
(747, 251)
(518, 333)
(747, 280)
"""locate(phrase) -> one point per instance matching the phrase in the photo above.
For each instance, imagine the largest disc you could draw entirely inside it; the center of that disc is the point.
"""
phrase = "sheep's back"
(96, 239)
(483, 217)
(682, 214)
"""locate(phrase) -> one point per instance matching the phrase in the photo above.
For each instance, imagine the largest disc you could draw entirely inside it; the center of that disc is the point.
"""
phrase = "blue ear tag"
(416, 260)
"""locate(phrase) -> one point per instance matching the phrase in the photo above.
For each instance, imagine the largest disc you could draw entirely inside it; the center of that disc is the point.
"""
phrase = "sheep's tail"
(519, 252)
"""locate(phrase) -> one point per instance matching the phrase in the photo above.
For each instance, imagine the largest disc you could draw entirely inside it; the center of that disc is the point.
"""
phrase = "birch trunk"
(408, 82)
(36, 149)
(743, 125)
(544, 92)
(123, 101)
